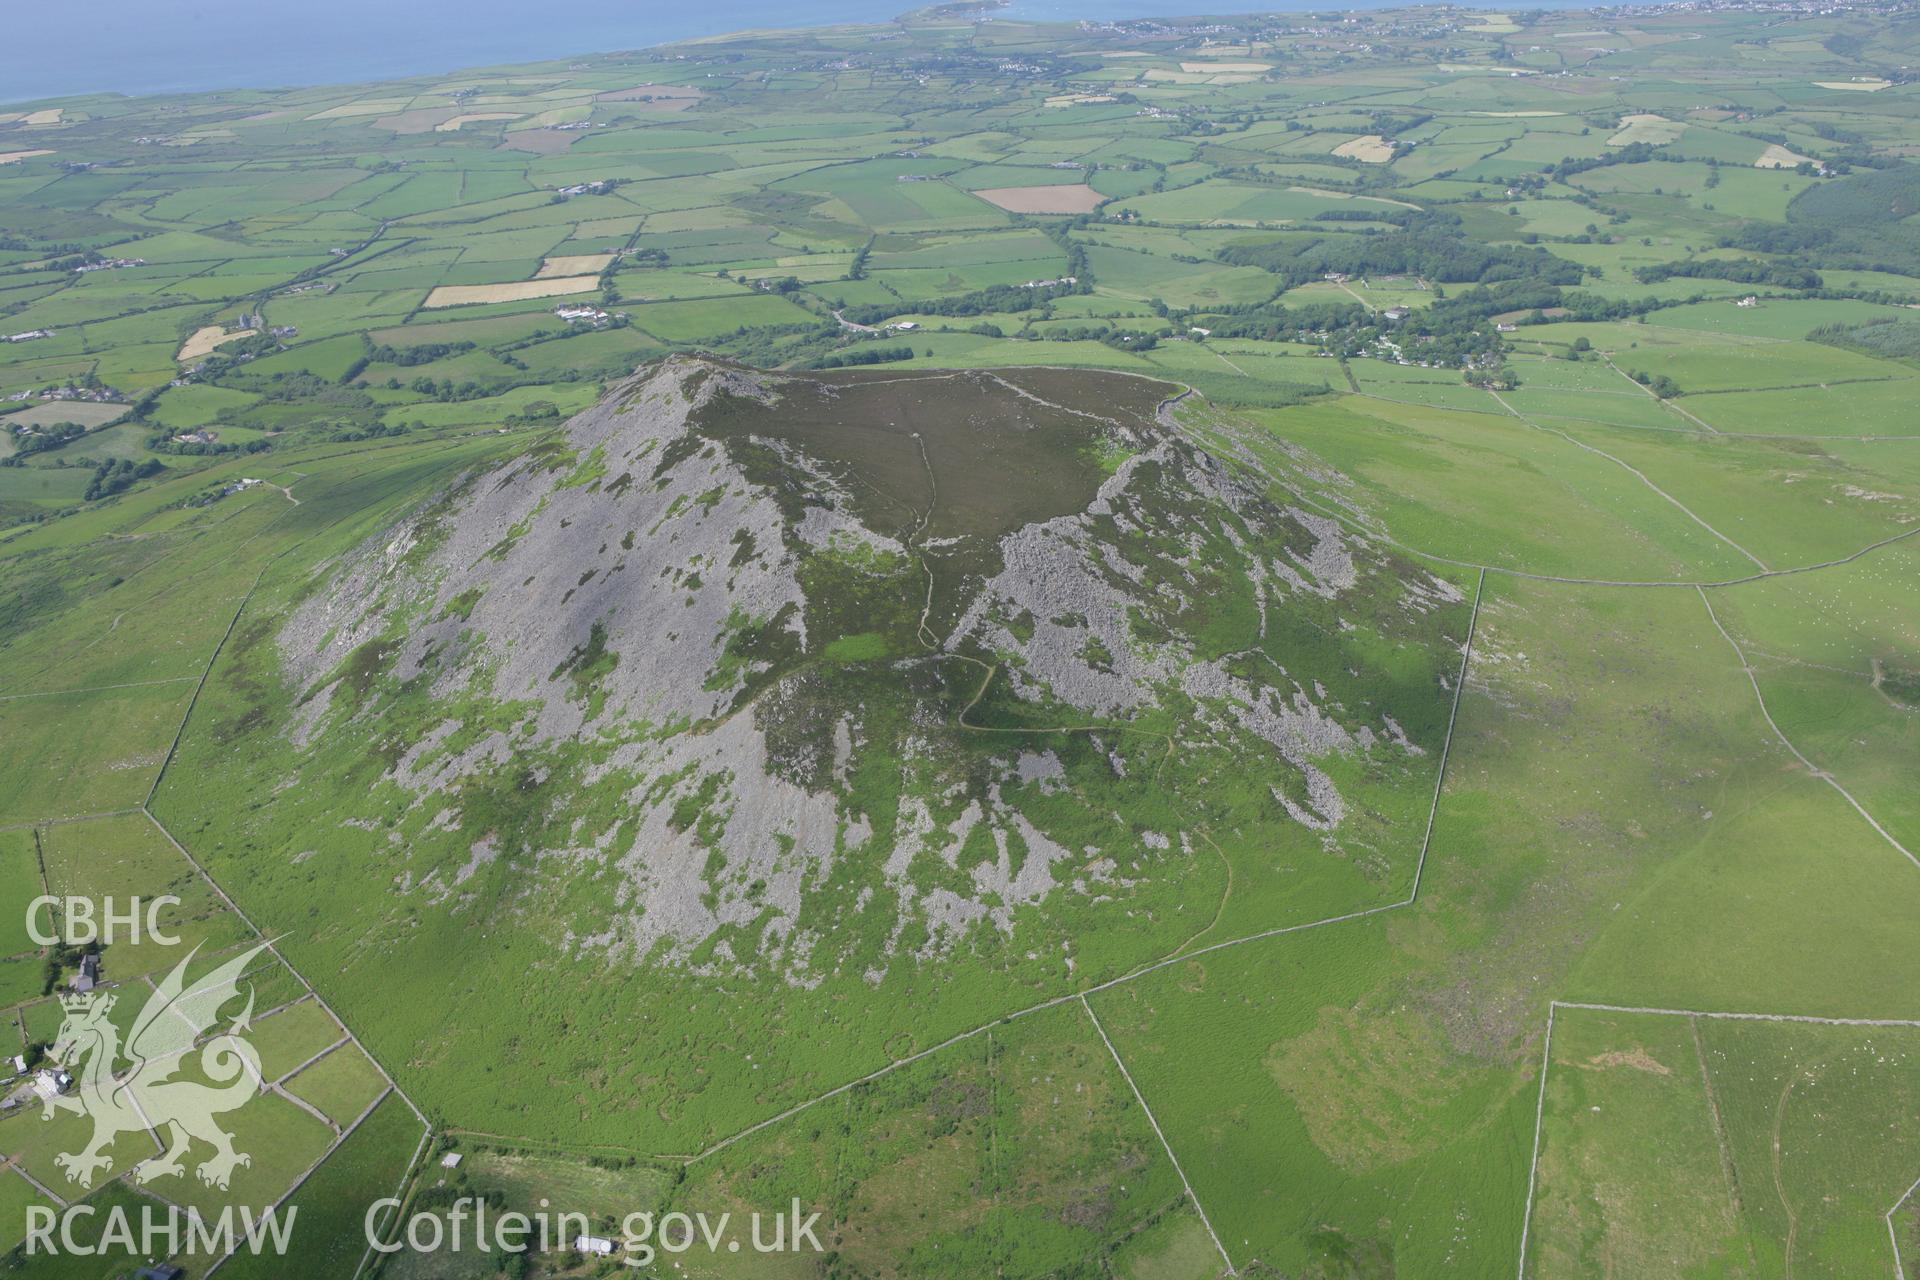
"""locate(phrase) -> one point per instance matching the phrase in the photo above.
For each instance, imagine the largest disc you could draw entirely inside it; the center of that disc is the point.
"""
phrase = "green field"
(1278, 645)
(1775, 1137)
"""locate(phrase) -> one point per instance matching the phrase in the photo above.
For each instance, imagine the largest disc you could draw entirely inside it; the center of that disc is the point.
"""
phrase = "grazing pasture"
(1575, 357)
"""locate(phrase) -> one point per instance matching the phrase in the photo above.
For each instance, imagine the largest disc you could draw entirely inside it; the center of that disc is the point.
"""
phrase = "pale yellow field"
(1077, 99)
(580, 264)
(1210, 67)
(1656, 130)
(1778, 157)
(15, 157)
(462, 295)
(346, 109)
(50, 116)
(449, 126)
(1517, 115)
(204, 340)
(1372, 149)
(1076, 197)
(1858, 86)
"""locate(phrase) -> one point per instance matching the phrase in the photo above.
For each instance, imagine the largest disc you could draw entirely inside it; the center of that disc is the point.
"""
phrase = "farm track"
(98, 688)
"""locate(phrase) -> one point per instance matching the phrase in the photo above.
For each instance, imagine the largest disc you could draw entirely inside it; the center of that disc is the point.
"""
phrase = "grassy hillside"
(1268, 644)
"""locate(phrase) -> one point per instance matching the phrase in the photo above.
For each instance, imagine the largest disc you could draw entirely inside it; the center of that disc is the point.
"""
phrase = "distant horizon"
(137, 49)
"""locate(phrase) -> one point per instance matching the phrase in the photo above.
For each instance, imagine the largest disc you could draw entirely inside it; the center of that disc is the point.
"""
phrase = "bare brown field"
(1072, 197)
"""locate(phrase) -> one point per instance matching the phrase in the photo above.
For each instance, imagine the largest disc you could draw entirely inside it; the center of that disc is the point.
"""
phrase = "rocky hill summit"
(808, 672)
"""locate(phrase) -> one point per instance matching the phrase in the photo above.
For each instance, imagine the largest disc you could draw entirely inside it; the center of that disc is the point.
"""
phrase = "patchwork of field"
(1778, 1143)
(1590, 345)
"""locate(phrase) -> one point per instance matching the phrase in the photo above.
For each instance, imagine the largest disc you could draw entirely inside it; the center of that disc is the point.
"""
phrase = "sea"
(58, 49)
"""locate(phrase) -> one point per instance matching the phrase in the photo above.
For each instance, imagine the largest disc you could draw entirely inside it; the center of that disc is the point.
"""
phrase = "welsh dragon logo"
(173, 1033)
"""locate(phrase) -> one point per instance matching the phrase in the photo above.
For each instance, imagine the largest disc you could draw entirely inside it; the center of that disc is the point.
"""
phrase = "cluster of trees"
(162, 442)
(1455, 331)
(407, 357)
(1737, 270)
(61, 957)
(1632, 153)
(1887, 337)
(445, 390)
(1658, 383)
(1275, 322)
(987, 301)
(120, 474)
(375, 430)
(1871, 199)
(864, 354)
(533, 413)
(1424, 248)
(44, 440)
(1893, 248)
